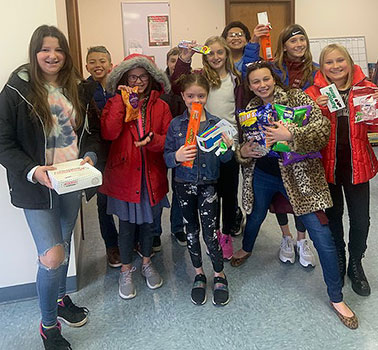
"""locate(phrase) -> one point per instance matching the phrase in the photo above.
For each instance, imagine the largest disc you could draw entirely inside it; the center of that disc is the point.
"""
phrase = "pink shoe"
(225, 242)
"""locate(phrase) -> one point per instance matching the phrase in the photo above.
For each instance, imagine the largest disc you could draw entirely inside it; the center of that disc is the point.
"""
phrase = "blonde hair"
(344, 52)
(211, 74)
(280, 56)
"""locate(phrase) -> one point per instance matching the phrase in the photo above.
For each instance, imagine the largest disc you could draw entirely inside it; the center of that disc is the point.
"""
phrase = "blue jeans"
(265, 186)
(49, 228)
(107, 227)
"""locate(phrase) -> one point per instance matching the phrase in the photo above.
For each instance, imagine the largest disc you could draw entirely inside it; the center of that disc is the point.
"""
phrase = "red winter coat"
(123, 172)
(364, 162)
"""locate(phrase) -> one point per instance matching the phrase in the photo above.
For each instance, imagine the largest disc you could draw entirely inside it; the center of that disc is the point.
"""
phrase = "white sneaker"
(305, 254)
(287, 252)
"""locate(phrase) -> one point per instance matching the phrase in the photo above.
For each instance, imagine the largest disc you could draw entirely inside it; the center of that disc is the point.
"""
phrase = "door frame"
(228, 4)
(73, 27)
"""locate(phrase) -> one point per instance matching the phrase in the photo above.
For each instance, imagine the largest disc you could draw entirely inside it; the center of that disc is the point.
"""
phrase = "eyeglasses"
(235, 35)
(133, 78)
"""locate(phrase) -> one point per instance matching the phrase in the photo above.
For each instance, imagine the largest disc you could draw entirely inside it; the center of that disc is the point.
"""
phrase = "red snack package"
(365, 106)
(193, 127)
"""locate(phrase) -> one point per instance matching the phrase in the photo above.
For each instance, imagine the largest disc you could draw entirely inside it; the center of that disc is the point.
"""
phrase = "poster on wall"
(158, 31)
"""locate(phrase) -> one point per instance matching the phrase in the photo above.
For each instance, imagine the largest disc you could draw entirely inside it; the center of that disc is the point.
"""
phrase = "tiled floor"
(273, 306)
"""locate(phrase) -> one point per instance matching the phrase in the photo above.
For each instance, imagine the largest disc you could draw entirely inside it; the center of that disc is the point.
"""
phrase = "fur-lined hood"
(136, 61)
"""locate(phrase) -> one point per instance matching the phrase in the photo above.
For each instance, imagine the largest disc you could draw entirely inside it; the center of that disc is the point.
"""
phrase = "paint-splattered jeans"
(49, 228)
(192, 199)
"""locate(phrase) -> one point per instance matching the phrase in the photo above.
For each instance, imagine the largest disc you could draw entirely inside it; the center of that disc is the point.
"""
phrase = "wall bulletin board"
(147, 29)
(355, 45)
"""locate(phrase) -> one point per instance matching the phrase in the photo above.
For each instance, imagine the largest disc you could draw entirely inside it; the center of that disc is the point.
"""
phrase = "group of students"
(49, 114)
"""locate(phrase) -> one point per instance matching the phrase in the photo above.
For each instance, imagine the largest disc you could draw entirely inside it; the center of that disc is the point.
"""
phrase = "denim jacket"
(206, 164)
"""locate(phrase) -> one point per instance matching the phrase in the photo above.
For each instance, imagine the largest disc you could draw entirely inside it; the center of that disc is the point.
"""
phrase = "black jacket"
(23, 139)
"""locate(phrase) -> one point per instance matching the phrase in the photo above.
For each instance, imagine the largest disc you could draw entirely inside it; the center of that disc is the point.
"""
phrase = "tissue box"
(71, 176)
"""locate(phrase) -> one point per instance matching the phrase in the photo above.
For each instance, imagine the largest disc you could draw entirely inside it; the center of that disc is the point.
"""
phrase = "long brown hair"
(344, 52)
(211, 75)
(280, 56)
(67, 77)
(251, 67)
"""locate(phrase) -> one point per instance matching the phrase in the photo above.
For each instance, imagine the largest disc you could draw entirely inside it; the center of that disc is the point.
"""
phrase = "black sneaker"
(70, 314)
(156, 245)
(221, 296)
(198, 294)
(53, 339)
(239, 221)
(180, 238)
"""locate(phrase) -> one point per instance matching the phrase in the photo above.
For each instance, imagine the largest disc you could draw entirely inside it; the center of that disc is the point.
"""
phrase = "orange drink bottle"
(193, 127)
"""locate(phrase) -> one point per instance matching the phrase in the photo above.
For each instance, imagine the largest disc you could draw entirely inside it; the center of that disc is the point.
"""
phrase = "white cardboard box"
(71, 176)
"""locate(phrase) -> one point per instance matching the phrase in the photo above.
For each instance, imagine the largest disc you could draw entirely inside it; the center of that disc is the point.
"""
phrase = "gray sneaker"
(287, 252)
(305, 254)
(126, 284)
(153, 278)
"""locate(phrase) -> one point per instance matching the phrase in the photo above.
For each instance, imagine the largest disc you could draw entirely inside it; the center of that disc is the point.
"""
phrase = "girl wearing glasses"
(135, 178)
(243, 48)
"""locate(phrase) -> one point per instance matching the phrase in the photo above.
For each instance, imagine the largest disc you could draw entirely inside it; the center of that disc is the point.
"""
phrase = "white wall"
(195, 19)
(329, 18)
(17, 251)
(199, 19)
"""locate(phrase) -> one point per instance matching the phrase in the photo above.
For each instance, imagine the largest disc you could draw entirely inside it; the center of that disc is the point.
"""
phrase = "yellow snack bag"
(131, 101)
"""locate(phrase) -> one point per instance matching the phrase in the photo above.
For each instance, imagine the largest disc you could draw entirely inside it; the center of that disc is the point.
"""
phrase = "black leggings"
(227, 187)
(283, 220)
(357, 199)
(192, 199)
(126, 240)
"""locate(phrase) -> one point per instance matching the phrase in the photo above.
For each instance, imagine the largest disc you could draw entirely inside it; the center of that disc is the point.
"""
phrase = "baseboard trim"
(29, 291)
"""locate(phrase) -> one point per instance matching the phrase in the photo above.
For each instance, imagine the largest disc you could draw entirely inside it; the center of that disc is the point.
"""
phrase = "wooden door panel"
(279, 13)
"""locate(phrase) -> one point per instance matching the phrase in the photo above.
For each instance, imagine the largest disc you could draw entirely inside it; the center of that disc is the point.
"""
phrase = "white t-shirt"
(221, 102)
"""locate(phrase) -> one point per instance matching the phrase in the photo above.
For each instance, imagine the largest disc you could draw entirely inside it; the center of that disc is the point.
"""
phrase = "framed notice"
(146, 29)
(158, 30)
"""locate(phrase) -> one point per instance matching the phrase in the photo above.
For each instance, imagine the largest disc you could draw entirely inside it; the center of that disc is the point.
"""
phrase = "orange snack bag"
(193, 127)
(131, 102)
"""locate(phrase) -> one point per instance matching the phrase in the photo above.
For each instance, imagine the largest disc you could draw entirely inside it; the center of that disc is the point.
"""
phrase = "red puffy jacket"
(123, 172)
(364, 162)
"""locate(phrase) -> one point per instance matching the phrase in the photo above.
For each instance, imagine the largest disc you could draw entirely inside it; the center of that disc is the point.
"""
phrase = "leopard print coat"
(304, 181)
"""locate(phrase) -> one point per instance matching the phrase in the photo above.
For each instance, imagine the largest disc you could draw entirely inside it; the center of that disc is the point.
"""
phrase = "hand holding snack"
(227, 140)
(278, 133)
(250, 150)
(322, 100)
(40, 175)
(187, 52)
(186, 153)
(259, 31)
(87, 160)
(131, 101)
(187, 44)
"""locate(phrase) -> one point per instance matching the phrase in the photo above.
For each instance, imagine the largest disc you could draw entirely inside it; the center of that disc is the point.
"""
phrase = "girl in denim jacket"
(195, 188)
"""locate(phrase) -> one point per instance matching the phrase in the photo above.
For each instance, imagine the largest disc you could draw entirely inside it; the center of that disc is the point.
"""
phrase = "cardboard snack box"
(71, 176)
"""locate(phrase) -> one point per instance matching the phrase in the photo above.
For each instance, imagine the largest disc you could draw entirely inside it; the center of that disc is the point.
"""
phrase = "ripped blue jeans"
(203, 200)
(49, 228)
